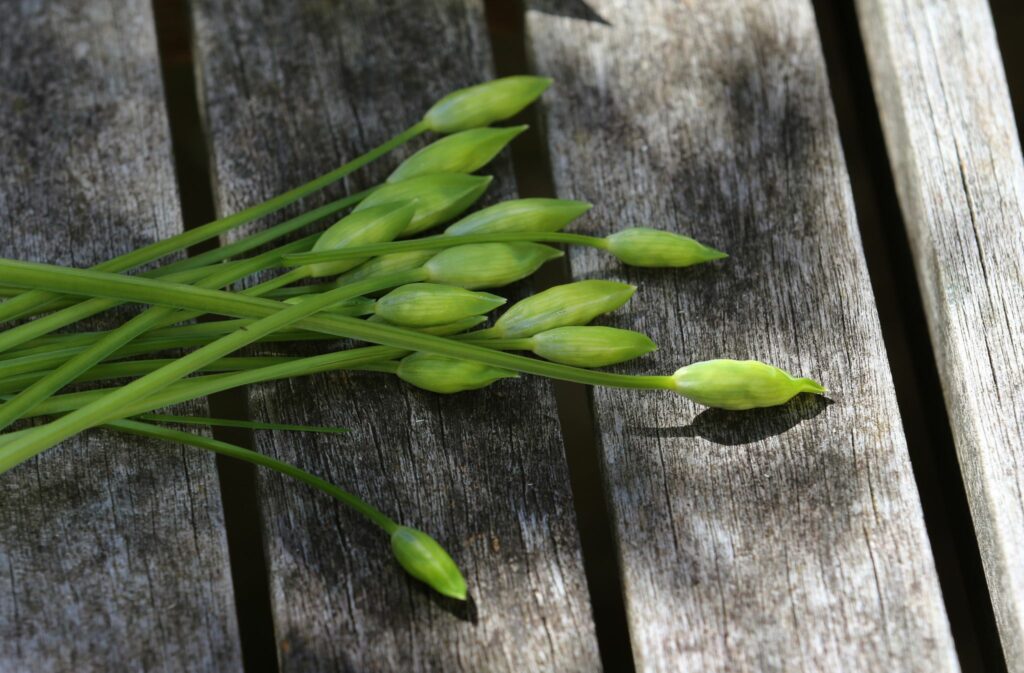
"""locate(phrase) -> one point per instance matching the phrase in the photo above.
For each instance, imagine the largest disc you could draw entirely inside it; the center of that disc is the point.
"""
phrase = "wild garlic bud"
(441, 374)
(483, 265)
(524, 215)
(429, 304)
(641, 246)
(377, 224)
(740, 384)
(462, 152)
(560, 306)
(423, 558)
(590, 346)
(448, 329)
(438, 197)
(385, 265)
(484, 104)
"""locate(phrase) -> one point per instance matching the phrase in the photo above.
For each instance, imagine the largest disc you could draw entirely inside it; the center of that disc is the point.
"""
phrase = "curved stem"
(149, 430)
(440, 242)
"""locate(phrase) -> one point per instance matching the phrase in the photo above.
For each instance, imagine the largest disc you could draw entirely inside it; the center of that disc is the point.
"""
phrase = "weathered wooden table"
(783, 539)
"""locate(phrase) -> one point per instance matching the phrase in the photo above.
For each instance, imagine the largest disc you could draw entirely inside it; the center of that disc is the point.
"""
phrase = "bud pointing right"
(561, 306)
(590, 346)
(641, 246)
(438, 197)
(430, 305)
(740, 384)
(423, 558)
(525, 215)
(484, 104)
(440, 374)
(462, 152)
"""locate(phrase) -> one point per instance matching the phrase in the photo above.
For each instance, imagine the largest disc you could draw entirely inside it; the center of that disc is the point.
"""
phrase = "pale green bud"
(457, 327)
(529, 215)
(641, 246)
(429, 304)
(423, 558)
(376, 224)
(483, 265)
(441, 374)
(561, 306)
(438, 197)
(740, 384)
(484, 104)
(385, 265)
(591, 346)
(462, 152)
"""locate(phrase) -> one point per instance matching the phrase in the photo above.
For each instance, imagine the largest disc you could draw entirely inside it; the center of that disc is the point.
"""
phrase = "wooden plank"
(113, 549)
(950, 134)
(291, 90)
(780, 539)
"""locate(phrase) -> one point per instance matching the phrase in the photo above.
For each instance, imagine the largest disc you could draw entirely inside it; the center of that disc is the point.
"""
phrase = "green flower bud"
(591, 346)
(428, 304)
(488, 264)
(740, 384)
(377, 224)
(561, 306)
(426, 560)
(457, 327)
(527, 215)
(484, 104)
(441, 374)
(385, 265)
(641, 246)
(462, 152)
(438, 197)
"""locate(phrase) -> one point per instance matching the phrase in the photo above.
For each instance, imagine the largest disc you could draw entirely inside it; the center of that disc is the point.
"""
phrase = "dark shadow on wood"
(574, 9)
(1008, 16)
(237, 479)
(505, 20)
(911, 358)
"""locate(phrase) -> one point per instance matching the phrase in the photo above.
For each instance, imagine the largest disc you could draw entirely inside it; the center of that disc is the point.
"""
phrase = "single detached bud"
(429, 304)
(591, 346)
(483, 265)
(385, 265)
(561, 306)
(441, 374)
(462, 152)
(377, 224)
(641, 246)
(529, 215)
(484, 104)
(438, 197)
(426, 560)
(740, 384)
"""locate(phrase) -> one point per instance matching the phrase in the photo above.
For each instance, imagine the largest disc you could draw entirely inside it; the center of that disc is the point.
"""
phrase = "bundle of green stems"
(369, 276)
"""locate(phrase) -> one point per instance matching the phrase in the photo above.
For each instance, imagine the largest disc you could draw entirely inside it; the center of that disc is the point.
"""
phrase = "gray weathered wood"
(781, 539)
(112, 550)
(950, 134)
(291, 90)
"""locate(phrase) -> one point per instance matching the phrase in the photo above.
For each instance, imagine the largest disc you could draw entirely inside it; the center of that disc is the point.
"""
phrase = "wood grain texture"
(112, 550)
(780, 539)
(291, 90)
(950, 134)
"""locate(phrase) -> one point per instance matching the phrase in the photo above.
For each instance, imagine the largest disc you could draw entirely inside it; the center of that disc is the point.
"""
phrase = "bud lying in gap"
(423, 558)
(462, 152)
(740, 384)
(484, 104)
(385, 265)
(430, 304)
(526, 215)
(641, 246)
(483, 265)
(441, 374)
(376, 224)
(561, 306)
(590, 346)
(438, 197)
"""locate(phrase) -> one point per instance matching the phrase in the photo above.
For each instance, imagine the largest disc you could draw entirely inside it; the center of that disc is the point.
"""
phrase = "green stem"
(440, 242)
(207, 231)
(149, 430)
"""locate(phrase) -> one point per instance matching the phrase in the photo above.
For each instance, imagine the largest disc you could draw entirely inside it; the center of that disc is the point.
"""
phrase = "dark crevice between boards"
(237, 479)
(908, 346)
(1008, 16)
(506, 24)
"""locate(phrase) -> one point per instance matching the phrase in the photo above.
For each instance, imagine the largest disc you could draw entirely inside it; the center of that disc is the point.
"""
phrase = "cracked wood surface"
(291, 90)
(112, 549)
(781, 539)
(952, 142)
